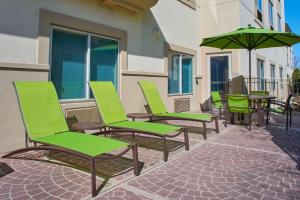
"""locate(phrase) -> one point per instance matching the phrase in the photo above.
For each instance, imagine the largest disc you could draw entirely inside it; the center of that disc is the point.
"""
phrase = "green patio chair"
(283, 108)
(240, 104)
(217, 101)
(159, 110)
(114, 117)
(45, 125)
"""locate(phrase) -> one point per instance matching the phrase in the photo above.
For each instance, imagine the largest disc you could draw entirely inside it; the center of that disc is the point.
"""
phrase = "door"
(219, 73)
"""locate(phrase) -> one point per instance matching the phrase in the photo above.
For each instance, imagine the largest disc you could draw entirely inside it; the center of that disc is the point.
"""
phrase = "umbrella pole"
(250, 83)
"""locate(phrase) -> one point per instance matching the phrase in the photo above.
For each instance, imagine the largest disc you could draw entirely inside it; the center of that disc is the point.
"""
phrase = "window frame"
(259, 10)
(281, 77)
(260, 78)
(88, 56)
(279, 22)
(181, 54)
(273, 76)
(271, 14)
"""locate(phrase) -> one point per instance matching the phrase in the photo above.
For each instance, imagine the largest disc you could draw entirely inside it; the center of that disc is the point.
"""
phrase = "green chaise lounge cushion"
(87, 144)
(161, 129)
(192, 116)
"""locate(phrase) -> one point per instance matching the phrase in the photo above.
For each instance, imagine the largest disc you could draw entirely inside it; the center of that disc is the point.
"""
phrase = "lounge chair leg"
(217, 124)
(186, 139)
(290, 117)
(204, 131)
(26, 140)
(93, 177)
(166, 153)
(232, 118)
(133, 135)
(287, 119)
(135, 160)
(250, 121)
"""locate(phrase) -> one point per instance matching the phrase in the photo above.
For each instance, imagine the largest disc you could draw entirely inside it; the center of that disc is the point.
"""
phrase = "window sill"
(69, 101)
(180, 95)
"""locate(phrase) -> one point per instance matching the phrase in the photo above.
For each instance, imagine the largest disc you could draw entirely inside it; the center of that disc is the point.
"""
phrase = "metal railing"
(280, 88)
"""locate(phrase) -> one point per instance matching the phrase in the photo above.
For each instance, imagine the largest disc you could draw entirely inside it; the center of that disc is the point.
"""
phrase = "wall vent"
(182, 104)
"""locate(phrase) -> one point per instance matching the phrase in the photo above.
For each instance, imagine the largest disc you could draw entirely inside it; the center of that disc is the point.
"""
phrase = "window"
(219, 73)
(273, 84)
(180, 79)
(259, 10)
(279, 22)
(281, 77)
(260, 74)
(271, 20)
(77, 58)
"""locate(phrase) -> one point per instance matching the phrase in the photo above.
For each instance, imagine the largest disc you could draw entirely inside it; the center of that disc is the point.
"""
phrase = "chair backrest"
(108, 102)
(40, 108)
(238, 101)
(260, 92)
(152, 97)
(288, 100)
(216, 98)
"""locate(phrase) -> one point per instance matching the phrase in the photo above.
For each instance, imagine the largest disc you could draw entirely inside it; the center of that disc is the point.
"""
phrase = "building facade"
(71, 42)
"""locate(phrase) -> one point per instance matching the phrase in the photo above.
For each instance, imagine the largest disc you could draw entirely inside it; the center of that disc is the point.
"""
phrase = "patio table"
(259, 99)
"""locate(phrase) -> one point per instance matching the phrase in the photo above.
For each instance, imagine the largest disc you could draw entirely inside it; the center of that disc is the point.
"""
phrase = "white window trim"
(209, 70)
(180, 74)
(87, 64)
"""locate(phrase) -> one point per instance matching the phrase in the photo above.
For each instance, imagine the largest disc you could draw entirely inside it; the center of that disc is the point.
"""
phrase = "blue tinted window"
(70, 70)
(174, 75)
(104, 60)
(271, 12)
(68, 64)
(180, 79)
(259, 5)
(219, 73)
(187, 73)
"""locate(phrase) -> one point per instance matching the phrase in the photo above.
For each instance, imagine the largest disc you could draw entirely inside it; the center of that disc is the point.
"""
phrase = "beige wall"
(25, 44)
(12, 133)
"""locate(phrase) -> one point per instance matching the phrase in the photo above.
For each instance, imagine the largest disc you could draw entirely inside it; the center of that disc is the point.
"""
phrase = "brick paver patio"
(235, 164)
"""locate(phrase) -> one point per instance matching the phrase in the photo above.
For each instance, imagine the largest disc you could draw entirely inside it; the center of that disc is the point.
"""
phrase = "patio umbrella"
(251, 38)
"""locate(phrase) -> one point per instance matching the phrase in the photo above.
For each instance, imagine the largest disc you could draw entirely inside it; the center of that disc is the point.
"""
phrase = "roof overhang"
(131, 5)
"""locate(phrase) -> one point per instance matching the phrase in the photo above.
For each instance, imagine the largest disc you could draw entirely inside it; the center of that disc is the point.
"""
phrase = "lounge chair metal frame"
(91, 159)
(163, 137)
(215, 118)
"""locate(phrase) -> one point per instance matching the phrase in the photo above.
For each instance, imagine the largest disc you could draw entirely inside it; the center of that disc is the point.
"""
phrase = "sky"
(292, 15)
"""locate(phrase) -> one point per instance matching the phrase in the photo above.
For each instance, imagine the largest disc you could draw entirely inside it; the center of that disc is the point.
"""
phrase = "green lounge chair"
(217, 101)
(159, 110)
(45, 124)
(114, 117)
(239, 104)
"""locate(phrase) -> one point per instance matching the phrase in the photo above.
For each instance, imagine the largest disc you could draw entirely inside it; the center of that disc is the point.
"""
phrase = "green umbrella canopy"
(251, 38)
